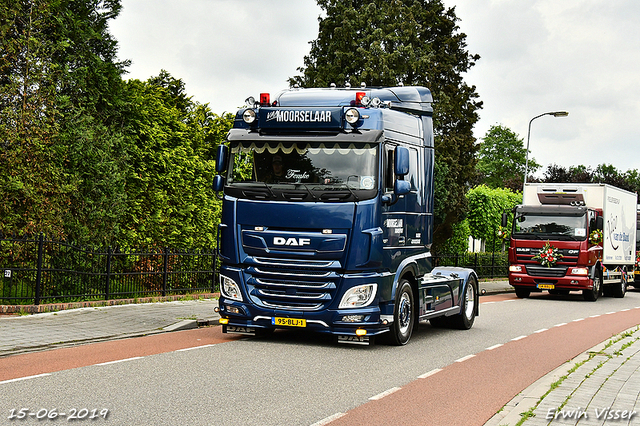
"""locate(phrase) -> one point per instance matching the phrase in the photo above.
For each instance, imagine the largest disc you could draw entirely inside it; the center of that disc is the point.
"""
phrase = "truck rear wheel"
(620, 289)
(403, 315)
(593, 294)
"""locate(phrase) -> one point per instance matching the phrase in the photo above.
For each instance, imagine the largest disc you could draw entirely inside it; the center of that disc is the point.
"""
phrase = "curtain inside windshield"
(352, 165)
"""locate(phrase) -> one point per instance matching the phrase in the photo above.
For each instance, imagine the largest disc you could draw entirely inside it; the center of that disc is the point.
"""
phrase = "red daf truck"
(573, 237)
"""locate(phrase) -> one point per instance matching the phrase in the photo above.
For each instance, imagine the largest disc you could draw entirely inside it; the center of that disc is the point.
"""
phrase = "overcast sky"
(537, 56)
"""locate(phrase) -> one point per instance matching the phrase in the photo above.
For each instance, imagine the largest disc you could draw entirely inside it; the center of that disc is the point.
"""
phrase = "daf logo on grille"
(295, 242)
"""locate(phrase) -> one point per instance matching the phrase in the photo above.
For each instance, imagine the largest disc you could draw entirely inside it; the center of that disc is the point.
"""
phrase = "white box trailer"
(618, 212)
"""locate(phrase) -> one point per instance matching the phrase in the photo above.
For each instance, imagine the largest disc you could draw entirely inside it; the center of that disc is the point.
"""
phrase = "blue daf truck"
(327, 218)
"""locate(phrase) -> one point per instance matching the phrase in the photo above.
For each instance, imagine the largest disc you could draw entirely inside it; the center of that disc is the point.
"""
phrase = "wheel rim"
(404, 313)
(596, 285)
(470, 302)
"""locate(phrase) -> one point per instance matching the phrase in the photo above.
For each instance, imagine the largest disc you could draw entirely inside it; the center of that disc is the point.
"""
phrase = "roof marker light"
(265, 99)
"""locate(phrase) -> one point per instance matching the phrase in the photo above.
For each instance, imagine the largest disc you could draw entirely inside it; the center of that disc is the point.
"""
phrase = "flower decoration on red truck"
(502, 233)
(595, 237)
(548, 255)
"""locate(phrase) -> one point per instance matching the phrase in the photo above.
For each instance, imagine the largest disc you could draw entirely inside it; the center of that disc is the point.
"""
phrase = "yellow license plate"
(546, 286)
(289, 322)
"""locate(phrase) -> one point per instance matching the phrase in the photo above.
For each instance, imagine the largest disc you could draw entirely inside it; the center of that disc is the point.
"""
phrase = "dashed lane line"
(24, 378)
(120, 360)
(464, 358)
(430, 373)
(385, 393)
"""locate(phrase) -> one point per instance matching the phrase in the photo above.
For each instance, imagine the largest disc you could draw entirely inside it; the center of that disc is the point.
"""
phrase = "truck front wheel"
(403, 316)
(522, 292)
(593, 294)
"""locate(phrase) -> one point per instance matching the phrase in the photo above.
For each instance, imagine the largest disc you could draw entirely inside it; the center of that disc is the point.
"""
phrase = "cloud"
(581, 56)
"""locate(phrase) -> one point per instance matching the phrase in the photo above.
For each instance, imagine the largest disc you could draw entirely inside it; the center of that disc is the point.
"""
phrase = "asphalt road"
(288, 378)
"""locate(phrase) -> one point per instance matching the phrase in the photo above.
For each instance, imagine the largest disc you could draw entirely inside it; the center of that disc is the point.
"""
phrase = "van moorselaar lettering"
(298, 116)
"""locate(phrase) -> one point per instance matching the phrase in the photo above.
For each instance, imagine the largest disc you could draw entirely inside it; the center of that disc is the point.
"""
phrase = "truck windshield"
(531, 225)
(316, 168)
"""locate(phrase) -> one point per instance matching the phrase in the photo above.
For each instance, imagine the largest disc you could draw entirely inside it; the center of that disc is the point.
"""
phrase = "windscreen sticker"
(581, 232)
(366, 182)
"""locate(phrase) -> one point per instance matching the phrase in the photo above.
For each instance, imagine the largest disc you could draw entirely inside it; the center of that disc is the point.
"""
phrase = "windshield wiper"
(351, 191)
(273, 195)
(309, 191)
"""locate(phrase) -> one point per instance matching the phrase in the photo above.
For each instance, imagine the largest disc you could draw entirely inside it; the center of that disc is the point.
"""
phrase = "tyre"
(620, 289)
(593, 294)
(468, 306)
(403, 315)
(522, 292)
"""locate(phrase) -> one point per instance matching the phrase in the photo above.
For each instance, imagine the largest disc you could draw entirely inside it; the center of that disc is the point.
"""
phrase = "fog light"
(361, 332)
(352, 318)
(223, 321)
(233, 310)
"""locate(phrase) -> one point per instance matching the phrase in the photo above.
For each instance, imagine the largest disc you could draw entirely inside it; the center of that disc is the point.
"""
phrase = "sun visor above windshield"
(365, 136)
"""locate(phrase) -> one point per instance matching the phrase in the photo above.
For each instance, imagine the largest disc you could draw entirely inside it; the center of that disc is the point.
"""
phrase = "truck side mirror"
(222, 158)
(504, 220)
(218, 183)
(402, 161)
(600, 222)
(401, 187)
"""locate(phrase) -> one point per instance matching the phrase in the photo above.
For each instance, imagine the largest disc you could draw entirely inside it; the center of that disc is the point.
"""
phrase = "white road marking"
(464, 358)
(430, 373)
(329, 419)
(383, 394)
(120, 360)
(24, 378)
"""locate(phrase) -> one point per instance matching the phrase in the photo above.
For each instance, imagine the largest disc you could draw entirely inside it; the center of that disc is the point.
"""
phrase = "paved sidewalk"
(30, 333)
(599, 387)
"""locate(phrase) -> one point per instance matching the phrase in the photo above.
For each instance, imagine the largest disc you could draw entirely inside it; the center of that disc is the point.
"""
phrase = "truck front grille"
(543, 271)
(294, 286)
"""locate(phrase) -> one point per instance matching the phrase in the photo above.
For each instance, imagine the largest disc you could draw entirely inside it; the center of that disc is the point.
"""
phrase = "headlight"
(352, 116)
(230, 289)
(580, 271)
(359, 296)
(249, 116)
(516, 268)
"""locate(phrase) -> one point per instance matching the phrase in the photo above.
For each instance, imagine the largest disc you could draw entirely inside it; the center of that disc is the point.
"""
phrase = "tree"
(169, 185)
(486, 206)
(603, 173)
(502, 159)
(59, 92)
(408, 42)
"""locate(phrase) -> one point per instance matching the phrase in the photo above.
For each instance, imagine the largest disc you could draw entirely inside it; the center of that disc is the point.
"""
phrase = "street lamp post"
(526, 164)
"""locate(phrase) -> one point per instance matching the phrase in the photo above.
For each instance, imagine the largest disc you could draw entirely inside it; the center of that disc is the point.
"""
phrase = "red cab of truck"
(573, 237)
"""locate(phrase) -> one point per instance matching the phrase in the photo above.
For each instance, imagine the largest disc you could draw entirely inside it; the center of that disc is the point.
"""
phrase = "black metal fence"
(36, 270)
(486, 264)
